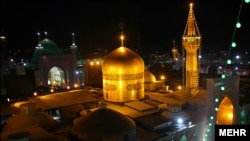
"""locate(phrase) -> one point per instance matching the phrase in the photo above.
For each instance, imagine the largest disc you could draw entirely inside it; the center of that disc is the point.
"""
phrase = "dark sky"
(96, 24)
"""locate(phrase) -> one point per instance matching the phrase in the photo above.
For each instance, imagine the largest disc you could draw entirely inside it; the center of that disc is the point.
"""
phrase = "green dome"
(50, 47)
(49, 44)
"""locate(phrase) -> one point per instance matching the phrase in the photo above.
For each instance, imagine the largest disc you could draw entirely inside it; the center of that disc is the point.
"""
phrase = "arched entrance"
(56, 77)
(225, 113)
(183, 138)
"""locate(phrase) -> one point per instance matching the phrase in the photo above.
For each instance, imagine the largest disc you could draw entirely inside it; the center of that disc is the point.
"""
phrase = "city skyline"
(96, 24)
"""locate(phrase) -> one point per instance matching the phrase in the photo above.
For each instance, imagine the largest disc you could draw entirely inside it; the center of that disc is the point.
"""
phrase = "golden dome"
(123, 58)
(123, 76)
(149, 76)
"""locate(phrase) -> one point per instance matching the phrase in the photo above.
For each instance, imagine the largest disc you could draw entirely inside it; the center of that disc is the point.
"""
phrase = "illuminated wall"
(225, 112)
(123, 76)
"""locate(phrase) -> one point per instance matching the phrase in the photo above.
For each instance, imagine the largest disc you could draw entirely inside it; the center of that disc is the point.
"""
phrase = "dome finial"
(73, 41)
(191, 5)
(39, 39)
(39, 45)
(46, 34)
(122, 36)
(174, 44)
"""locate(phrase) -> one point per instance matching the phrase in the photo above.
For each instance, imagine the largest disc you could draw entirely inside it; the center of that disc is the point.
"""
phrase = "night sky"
(96, 24)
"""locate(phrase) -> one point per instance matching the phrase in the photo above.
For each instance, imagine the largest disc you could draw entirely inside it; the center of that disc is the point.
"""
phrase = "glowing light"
(247, 1)
(76, 85)
(230, 115)
(179, 87)
(162, 77)
(179, 120)
(211, 117)
(97, 62)
(122, 49)
(216, 109)
(223, 76)
(222, 88)
(216, 100)
(238, 25)
(229, 61)
(233, 44)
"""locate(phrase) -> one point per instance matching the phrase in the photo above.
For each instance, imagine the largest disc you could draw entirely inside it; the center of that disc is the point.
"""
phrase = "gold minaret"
(191, 42)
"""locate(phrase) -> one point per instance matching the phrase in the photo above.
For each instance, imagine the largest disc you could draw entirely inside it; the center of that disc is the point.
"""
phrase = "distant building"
(55, 66)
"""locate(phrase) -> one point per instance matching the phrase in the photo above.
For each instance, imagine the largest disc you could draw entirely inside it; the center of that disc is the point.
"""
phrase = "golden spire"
(122, 40)
(191, 42)
(122, 36)
(191, 28)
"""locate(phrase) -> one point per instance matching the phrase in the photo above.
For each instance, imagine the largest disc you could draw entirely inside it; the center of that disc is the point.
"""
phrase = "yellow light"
(2, 37)
(162, 77)
(76, 85)
(97, 62)
(122, 37)
(179, 87)
(230, 115)
(91, 63)
(122, 49)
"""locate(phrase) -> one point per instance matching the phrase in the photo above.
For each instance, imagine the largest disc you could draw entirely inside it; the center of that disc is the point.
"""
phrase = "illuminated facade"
(55, 66)
(191, 41)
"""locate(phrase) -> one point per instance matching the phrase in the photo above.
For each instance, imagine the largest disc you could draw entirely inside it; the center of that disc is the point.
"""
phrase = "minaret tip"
(191, 5)
(39, 45)
(73, 41)
(73, 38)
(39, 39)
